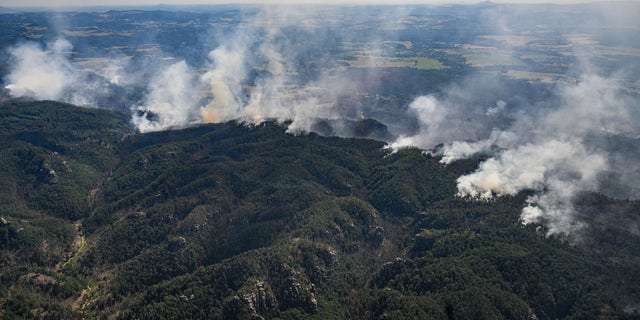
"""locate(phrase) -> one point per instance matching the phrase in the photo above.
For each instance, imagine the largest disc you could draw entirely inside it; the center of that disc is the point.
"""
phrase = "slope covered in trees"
(229, 221)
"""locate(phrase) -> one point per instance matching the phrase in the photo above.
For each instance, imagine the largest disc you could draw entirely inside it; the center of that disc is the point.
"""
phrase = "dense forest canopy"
(231, 221)
(328, 162)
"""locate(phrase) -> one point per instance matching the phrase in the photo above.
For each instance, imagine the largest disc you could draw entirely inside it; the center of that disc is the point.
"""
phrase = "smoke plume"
(48, 73)
(280, 92)
(225, 83)
(575, 136)
(558, 151)
(578, 139)
(41, 73)
(171, 99)
(260, 70)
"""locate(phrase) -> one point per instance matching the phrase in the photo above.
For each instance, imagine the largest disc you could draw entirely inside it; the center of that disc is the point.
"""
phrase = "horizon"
(17, 4)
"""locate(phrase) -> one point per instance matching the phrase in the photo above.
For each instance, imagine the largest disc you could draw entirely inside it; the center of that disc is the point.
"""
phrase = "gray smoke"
(41, 73)
(558, 151)
(581, 138)
(251, 76)
(172, 97)
(278, 94)
(224, 91)
(48, 73)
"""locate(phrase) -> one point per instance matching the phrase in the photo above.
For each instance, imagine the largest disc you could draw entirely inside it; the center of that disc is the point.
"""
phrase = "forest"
(224, 221)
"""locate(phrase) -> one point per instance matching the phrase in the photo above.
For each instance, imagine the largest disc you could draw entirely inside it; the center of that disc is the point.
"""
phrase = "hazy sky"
(59, 3)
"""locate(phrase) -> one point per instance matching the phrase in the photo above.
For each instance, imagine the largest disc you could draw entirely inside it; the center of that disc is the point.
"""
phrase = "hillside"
(227, 221)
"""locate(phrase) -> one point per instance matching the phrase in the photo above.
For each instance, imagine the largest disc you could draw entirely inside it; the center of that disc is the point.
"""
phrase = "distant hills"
(228, 221)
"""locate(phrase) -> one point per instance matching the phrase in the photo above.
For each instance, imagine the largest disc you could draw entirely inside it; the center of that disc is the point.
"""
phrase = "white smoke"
(272, 96)
(41, 73)
(432, 115)
(251, 77)
(553, 148)
(48, 73)
(549, 151)
(172, 97)
(555, 170)
(456, 116)
(276, 94)
(225, 82)
(578, 140)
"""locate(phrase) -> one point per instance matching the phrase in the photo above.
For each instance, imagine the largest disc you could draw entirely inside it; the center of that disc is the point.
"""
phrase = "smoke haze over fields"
(558, 145)
(179, 95)
(27, 77)
(559, 148)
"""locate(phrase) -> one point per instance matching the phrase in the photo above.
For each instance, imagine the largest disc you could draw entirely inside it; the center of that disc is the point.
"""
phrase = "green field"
(424, 63)
(492, 59)
(421, 63)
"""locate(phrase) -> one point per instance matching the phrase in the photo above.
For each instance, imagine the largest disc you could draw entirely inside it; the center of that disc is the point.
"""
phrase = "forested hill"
(228, 221)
